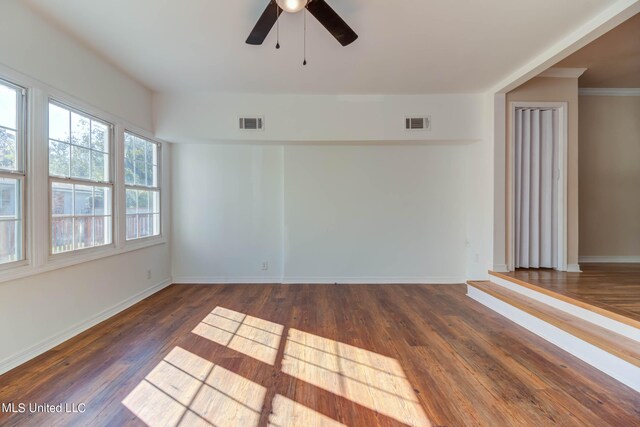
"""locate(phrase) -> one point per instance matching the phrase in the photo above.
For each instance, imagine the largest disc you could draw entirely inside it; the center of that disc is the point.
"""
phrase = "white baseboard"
(611, 365)
(610, 259)
(216, 280)
(501, 268)
(219, 280)
(378, 280)
(47, 344)
(573, 268)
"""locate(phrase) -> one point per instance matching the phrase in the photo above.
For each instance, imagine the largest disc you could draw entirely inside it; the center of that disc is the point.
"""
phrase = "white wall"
(32, 46)
(364, 200)
(320, 213)
(227, 205)
(206, 117)
(479, 199)
(41, 310)
(375, 214)
(609, 178)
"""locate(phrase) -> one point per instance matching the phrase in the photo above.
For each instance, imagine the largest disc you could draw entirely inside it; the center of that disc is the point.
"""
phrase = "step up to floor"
(567, 326)
(580, 307)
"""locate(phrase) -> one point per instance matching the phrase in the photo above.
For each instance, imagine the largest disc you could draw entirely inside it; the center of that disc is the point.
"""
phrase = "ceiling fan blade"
(332, 22)
(264, 24)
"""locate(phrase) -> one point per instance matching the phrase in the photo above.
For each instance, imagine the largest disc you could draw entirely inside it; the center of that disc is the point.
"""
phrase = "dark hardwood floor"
(280, 355)
(613, 287)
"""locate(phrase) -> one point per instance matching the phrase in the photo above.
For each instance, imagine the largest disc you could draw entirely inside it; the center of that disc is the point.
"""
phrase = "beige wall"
(610, 176)
(547, 89)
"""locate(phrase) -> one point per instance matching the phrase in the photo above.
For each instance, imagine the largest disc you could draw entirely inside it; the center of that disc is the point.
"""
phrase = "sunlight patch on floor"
(248, 335)
(366, 378)
(288, 413)
(187, 390)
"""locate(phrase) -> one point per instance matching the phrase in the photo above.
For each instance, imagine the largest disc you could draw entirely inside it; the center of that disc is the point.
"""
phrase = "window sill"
(143, 242)
(63, 260)
(13, 265)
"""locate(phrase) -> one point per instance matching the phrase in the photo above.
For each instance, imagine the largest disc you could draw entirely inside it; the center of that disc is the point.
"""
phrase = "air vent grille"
(417, 123)
(251, 123)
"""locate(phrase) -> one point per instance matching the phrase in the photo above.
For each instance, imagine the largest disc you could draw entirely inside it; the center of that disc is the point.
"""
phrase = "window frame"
(157, 188)
(35, 203)
(21, 172)
(111, 183)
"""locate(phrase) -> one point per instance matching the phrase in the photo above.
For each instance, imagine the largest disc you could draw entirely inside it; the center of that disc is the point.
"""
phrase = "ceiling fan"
(318, 8)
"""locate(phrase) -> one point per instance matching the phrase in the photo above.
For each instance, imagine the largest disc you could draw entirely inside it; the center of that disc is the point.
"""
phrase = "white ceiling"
(405, 46)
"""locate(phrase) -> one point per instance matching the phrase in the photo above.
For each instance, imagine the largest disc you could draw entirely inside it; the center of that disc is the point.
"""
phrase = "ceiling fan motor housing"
(292, 6)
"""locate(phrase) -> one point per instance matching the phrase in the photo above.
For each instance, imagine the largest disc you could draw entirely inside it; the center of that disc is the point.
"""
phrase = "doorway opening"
(538, 185)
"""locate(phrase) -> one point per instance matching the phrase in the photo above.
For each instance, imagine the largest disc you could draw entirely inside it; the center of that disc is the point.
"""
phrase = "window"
(12, 172)
(142, 188)
(80, 177)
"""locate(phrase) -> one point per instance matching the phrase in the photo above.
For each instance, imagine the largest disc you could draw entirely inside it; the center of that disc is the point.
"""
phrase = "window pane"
(144, 225)
(80, 163)
(81, 213)
(10, 220)
(61, 199)
(155, 202)
(8, 107)
(8, 149)
(59, 159)
(132, 226)
(61, 235)
(58, 123)
(102, 230)
(141, 169)
(139, 163)
(149, 152)
(10, 199)
(132, 201)
(88, 210)
(128, 159)
(83, 200)
(143, 202)
(99, 137)
(151, 181)
(83, 232)
(156, 224)
(99, 166)
(80, 130)
(10, 241)
(102, 201)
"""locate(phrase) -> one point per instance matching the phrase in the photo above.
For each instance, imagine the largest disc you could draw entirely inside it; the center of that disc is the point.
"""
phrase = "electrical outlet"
(148, 274)
(265, 265)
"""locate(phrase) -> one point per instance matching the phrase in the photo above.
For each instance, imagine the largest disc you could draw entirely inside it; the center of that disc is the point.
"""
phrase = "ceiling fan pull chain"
(277, 26)
(304, 62)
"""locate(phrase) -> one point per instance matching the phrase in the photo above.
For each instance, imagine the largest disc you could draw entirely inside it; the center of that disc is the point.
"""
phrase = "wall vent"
(417, 123)
(251, 123)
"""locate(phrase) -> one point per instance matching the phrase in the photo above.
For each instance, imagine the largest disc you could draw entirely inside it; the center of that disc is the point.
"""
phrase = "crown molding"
(609, 91)
(564, 73)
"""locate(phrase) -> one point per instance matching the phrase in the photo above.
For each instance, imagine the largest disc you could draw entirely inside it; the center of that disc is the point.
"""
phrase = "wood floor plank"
(609, 341)
(613, 288)
(370, 355)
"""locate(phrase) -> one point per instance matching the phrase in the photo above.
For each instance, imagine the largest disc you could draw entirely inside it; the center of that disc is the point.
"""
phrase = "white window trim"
(80, 181)
(21, 174)
(140, 240)
(36, 190)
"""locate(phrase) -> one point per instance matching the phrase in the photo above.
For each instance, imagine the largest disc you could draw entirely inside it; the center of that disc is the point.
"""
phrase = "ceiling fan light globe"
(292, 6)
